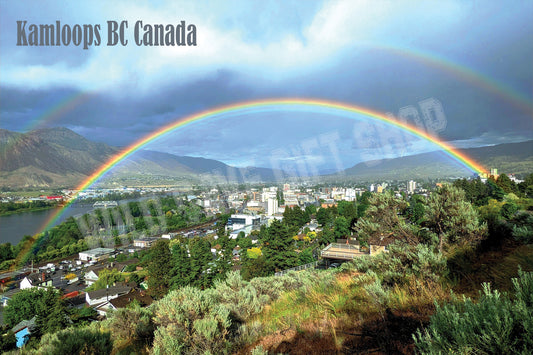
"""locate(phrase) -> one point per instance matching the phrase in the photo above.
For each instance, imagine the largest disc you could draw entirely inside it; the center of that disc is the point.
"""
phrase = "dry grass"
(341, 318)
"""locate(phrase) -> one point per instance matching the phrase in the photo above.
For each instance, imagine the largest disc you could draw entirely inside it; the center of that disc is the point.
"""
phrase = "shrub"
(402, 262)
(191, 321)
(495, 325)
(76, 341)
(132, 324)
(240, 296)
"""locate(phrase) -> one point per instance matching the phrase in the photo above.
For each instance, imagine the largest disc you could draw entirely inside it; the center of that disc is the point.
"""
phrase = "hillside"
(508, 158)
(145, 163)
(57, 157)
(49, 157)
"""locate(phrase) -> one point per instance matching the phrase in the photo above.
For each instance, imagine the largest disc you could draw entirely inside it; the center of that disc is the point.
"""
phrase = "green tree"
(295, 218)
(45, 304)
(326, 236)
(159, 269)
(508, 210)
(326, 216)
(342, 228)
(202, 265)
(182, 265)
(348, 210)
(306, 256)
(279, 196)
(506, 184)
(362, 203)
(224, 258)
(415, 211)
(8, 341)
(278, 247)
(310, 209)
(526, 187)
(385, 217)
(6, 252)
(495, 191)
(106, 277)
(451, 217)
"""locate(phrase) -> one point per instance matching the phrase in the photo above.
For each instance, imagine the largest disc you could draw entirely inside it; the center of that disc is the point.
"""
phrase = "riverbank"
(23, 210)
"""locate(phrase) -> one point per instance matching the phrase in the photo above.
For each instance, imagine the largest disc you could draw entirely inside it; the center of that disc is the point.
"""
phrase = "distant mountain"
(48, 157)
(57, 157)
(507, 158)
(164, 164)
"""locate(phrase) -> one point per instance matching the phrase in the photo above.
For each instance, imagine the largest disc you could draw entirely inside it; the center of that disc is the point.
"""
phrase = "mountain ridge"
(59, 157)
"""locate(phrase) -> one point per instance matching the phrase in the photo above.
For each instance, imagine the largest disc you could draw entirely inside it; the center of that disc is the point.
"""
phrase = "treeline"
(69, 237)
(15, 207)
(151, 216)
(479, 193)
(200, 262)
(113, 196)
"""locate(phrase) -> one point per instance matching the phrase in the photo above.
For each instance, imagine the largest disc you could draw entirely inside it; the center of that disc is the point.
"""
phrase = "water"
(14, 227)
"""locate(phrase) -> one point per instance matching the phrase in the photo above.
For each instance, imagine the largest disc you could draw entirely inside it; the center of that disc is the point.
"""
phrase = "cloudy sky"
(466, 63)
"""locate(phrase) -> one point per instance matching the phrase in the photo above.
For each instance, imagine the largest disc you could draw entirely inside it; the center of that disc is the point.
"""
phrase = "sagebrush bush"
(191, 321)
(496, 324)
(402, 263)
(241, 297)
(76, 341)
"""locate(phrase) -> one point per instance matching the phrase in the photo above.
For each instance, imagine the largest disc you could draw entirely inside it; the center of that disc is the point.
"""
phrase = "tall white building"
(411, 186)
(272, 206)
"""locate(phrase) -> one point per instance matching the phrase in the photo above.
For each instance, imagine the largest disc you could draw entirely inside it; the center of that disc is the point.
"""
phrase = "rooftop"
(98, 251)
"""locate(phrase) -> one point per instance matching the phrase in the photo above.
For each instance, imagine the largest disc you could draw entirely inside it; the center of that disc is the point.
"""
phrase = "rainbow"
(58, 110)
(262, 106)
(461, 72)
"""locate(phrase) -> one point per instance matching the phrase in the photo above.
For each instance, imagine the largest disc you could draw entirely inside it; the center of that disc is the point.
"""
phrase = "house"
(93, 273)
(104, 295)
(124, 300)
(91, 277)
(23, 331)
(35, 280)
(135, 295)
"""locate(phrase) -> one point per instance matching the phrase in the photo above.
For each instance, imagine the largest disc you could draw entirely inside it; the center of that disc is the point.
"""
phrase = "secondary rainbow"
(460, 71)
(259, 106)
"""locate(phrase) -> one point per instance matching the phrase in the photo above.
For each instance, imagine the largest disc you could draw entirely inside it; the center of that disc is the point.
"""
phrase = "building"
(91, 277)
(144, 242)
(96, 254)
(35, 280)
(23, 331)
(272, 206)
(239, 221)
(411, 186)
(104, 295)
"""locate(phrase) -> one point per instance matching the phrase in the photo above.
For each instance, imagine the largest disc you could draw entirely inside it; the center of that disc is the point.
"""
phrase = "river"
(15, 226)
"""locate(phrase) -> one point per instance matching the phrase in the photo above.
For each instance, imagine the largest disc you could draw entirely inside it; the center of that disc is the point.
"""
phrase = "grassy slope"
(344, 317)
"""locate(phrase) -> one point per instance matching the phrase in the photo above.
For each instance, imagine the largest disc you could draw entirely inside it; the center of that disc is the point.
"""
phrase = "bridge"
(105, 204)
